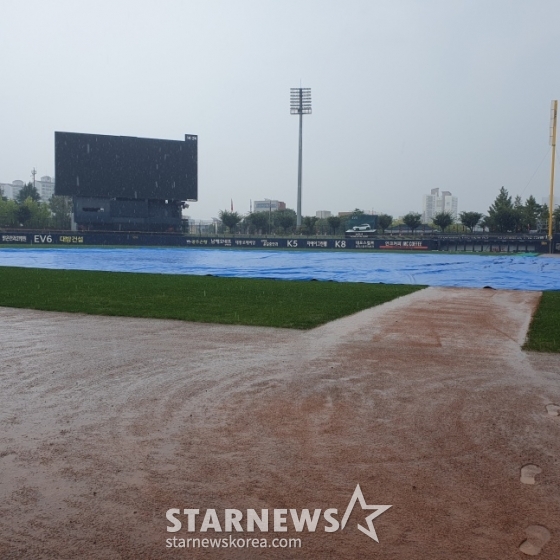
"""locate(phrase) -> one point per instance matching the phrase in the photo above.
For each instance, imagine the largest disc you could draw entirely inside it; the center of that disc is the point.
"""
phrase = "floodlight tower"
(553, 118)
(300, 104)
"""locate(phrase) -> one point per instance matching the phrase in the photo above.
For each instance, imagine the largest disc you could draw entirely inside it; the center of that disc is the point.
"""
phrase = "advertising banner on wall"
(461, 243)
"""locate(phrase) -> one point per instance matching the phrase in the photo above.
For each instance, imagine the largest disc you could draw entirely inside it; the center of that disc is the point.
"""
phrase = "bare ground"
(427, 402)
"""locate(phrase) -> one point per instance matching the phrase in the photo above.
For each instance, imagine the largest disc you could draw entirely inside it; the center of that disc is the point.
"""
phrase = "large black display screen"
(94, 165)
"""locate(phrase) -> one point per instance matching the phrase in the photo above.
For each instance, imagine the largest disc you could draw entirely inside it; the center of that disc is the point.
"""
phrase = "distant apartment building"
(268, 205)
(6, 190)
(436, 203)
(323, 214)
(11, 190)
(45, 188)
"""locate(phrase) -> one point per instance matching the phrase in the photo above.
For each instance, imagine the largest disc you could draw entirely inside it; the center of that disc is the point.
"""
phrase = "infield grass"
(544, 332)
(271, 303)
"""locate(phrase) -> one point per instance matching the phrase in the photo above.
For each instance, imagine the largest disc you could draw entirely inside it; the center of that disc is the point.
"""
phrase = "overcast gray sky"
(408, 95)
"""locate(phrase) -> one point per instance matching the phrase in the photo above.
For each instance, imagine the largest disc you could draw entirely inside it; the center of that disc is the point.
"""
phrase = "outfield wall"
(462, 243)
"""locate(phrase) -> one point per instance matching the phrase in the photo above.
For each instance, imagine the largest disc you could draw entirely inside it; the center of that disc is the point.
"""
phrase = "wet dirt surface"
(427, 402)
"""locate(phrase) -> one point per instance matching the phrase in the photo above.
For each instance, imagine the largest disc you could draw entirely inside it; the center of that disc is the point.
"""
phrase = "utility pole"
(33, 173)
(300, 104)
(553, 118)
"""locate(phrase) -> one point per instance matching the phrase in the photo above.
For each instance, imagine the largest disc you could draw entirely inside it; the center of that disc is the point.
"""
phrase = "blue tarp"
(520, 272)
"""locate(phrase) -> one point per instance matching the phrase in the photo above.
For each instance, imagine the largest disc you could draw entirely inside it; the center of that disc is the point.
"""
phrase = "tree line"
(28, 211)
(504, 215)
(285, 222)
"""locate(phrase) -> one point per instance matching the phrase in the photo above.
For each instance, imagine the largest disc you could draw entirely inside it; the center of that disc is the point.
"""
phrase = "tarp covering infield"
(522, 272)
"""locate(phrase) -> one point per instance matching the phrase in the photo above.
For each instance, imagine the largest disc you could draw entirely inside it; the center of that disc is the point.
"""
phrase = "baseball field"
(127, 396)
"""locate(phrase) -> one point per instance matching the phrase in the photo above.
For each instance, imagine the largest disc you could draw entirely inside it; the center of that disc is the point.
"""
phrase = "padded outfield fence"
(463, 243)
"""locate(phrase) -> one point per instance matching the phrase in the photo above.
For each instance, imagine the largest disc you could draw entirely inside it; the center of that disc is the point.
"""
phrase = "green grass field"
(544, 332)
(272, 303)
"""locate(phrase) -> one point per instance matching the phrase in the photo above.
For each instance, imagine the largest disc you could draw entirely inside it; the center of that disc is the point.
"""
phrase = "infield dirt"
(428, 402)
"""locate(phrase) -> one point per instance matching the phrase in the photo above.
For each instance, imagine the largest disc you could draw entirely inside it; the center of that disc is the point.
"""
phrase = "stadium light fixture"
(300, 104)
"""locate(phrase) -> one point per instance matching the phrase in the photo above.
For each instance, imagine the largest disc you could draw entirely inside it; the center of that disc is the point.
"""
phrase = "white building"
(17, 185)
(434, 203)
(323, 214)
(45, 187)
(6, 189)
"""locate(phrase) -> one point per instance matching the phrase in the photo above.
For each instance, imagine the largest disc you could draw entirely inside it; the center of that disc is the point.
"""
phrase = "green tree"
(556, 219)
(28, 191)
(486, 223)
(39, 214)
(502, 215)
(308, 224)
(531, 213)
(8, 213)
(384, 221)
(257, 222)
(519, 213)
(356, 213)
(412, 220)
(334, 223)
(284, 220)
(443, 220)
(543, 218)
(60, 207)
(230, 219)
(470, 219)
(23, 215)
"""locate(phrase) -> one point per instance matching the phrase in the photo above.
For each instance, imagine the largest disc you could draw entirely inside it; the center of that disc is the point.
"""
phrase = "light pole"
(300, 104)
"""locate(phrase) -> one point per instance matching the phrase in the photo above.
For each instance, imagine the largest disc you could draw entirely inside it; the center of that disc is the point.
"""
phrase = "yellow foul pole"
(553, 118)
